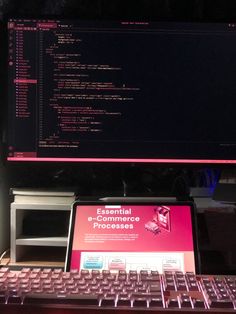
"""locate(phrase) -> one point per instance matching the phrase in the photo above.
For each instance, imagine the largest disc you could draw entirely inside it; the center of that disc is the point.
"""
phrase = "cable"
(2, 256)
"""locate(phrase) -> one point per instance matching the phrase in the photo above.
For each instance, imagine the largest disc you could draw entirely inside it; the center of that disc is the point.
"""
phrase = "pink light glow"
(139, 160)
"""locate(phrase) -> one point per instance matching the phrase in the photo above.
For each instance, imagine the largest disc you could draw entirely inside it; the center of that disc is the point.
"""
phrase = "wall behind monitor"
(187, 10)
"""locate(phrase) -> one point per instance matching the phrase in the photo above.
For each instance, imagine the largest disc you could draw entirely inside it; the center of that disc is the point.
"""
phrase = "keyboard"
(142, 291)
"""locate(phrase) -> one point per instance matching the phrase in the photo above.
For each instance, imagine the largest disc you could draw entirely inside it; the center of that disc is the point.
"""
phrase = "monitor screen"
(121, 91)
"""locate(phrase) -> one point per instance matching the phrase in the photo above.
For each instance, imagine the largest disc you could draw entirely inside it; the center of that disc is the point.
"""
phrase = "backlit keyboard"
(124, 290)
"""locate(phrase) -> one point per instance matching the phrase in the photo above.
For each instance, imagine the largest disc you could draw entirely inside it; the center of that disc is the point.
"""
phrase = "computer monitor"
(125, 91)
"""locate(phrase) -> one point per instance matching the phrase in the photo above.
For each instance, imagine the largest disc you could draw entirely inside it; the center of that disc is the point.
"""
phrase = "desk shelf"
(42, 241)
(23, 242)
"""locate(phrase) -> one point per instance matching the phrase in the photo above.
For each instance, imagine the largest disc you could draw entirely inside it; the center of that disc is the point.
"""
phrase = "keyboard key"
(4, 270)
(185, 301)
(59, 271)
(151, 278)
(84, 272)
(140, 301)
(105, 273)
(193, 286)
(198, 303)
(221, 304)
(23, 276)
(127, 284)
(170, 286)
(156, 302)
(117, 289)
(14, 299)
(123, 301)
(173, 302)
(61, 299)
(129, 289)
(2, 296)
(181, 286)
(133, 278)
(95, 273)
(108, 301)
(11, 275)
(142, 290)
(155, 287)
